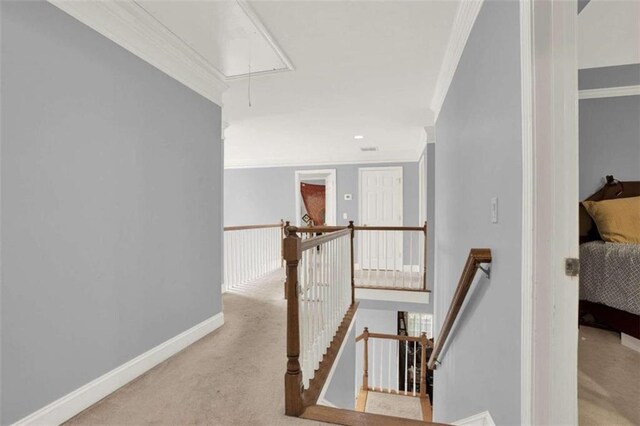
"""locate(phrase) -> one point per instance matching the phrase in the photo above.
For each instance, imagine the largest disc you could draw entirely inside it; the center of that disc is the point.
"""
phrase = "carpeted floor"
(233, 376)
(608, 380)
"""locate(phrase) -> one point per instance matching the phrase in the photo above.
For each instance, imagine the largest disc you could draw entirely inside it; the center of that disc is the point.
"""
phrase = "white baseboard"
(82, 398)
(480, 419)
(630, 342)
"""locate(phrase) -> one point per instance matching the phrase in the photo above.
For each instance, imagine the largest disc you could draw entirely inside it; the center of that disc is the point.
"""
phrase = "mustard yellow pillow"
(618, 220)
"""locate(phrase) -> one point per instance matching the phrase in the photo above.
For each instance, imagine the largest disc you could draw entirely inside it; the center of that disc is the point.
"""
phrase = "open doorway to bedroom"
(609, 213)
(315, 195)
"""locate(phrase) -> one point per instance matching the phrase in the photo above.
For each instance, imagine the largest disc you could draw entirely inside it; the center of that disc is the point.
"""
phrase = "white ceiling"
(361, 68)
(225, 33)
(609, 33)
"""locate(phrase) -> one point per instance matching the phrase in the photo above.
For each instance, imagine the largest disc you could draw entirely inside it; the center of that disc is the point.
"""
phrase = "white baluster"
(389, 370)
(406, 365)
(414, 369)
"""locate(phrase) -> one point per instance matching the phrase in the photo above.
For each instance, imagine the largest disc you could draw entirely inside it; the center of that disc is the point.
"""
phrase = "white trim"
(129, 25)
(80, 399)
(329, 176)
(319, 164)
(327, 382)
(422, 191)
(630, 342)
(609, 92)
(399, 296)
(480, 419)
(465, 18)
(526, 303)
(555, 215)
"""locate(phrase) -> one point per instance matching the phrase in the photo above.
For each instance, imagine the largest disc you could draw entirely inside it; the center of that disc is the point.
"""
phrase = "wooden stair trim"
(341, 416)
(427, 413)
(361, 401)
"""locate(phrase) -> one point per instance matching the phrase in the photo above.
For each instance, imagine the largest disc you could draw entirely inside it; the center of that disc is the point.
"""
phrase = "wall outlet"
(494, 210)
(344, 216)
(347, 197)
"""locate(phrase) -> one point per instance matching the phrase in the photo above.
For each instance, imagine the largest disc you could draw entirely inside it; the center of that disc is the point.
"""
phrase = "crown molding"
(465, 17)
(267, 165)
(609, 92)
(129, 25)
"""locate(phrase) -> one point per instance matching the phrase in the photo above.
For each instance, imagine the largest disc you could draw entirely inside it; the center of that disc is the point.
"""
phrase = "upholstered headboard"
(612, 189)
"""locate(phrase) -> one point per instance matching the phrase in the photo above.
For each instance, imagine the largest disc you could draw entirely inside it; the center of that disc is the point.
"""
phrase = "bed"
(609, 272)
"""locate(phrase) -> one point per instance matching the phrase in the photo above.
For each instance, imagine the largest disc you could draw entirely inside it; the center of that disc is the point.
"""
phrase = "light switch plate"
(344, 216)
(347, 197)
(494, 210)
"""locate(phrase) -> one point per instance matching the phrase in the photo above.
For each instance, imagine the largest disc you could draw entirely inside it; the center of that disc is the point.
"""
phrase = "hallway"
(233, 376)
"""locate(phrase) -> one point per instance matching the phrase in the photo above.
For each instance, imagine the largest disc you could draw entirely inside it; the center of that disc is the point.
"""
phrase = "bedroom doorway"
(315, 195)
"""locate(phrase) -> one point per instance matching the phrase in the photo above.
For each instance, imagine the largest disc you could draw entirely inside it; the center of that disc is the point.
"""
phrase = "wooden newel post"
(424, 272)
(353, 279)
(423, 365)
(365, 374)
(292, 250)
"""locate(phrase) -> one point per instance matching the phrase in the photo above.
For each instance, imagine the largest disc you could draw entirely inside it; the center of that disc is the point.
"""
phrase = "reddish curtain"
(313, 197)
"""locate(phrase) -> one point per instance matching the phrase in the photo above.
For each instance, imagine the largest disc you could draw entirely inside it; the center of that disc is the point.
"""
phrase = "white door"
(381, 205)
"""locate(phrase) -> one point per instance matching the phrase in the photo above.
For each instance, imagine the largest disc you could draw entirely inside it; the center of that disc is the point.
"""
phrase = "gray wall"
(430, 173)
(609, 128)
(378, 321)
(266, 195)
(478, 150)
(615, 76)
(342, 388)
(110, 199)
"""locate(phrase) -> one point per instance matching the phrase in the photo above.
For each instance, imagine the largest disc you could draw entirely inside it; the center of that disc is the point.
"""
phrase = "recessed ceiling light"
(358, 137)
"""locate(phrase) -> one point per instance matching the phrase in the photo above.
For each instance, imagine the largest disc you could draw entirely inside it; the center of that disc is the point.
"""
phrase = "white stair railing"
(325, 296)
(251, 252)
(395, 364)
(391, 257)
(320, 304)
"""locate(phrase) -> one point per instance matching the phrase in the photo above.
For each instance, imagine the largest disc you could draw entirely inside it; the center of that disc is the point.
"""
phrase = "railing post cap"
(292, 245)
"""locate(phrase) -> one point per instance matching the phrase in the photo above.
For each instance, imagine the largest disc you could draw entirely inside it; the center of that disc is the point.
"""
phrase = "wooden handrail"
(475, 258)
(245, 227)
(322, 239)
(391, 337)
(313, 229)
(390, 228)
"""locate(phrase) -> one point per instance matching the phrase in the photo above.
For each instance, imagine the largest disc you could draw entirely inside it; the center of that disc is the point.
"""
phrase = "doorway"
(326, 177)
(381, 205)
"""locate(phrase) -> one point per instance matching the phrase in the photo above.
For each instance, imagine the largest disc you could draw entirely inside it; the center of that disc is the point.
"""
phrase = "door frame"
(329, 177)
(549, 323)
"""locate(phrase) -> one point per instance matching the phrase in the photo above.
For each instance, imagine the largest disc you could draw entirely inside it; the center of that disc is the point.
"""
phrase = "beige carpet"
(394, 405)
(233, 376)
(608, 380)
